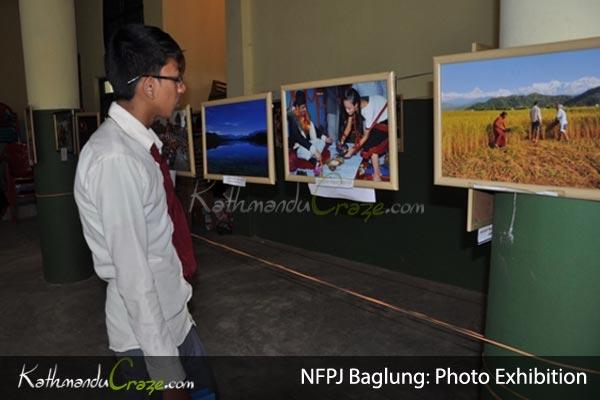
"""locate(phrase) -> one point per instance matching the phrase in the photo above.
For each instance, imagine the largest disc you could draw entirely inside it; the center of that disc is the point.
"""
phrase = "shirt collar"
(133, 127)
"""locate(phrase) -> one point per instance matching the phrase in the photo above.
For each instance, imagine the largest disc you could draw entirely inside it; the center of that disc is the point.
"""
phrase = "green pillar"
(66, 257)
(52, 85)
(544, 287)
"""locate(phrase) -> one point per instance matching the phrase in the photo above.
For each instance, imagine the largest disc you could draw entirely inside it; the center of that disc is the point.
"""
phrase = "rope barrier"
(50, 195)
(415, 314)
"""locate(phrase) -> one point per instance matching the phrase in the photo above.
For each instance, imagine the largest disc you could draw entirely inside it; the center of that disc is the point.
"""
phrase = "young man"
(129, 212)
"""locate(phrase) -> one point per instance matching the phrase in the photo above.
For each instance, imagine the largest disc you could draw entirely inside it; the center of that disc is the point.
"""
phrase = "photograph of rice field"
(531, 119)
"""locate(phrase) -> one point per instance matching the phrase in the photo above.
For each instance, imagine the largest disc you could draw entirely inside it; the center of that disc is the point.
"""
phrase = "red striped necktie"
(182, 239)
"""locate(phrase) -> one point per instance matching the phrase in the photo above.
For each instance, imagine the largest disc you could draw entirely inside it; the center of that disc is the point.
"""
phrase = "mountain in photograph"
(579, 92)
(214, 139)
(519, 101)
(588, 98)
(460, 103)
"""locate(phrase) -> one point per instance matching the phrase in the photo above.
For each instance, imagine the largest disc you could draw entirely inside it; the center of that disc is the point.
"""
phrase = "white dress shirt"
(123, 209)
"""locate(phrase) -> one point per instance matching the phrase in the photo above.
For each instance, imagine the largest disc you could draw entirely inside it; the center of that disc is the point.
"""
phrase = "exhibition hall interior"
(395, 184)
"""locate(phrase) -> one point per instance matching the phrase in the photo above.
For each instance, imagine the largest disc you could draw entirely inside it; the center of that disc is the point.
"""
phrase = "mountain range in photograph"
(588, 98)
(582, 92)
(214, 139)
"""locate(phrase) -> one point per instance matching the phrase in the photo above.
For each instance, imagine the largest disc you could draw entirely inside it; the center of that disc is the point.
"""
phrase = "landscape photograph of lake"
(238, 138)
(526, 119)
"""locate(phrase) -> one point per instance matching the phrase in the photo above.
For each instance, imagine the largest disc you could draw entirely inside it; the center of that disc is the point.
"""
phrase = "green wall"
(275, 42)
(433, 245)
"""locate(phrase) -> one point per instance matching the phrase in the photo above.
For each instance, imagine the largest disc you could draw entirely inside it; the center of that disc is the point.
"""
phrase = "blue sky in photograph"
(237, 118)
(567, 72)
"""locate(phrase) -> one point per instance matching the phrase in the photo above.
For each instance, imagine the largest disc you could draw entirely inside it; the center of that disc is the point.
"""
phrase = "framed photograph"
(64, 132)
(237, 138)
(85, 125)
(480, 209)
(30, 132)
(196, 122)
(524, 119)
(178, 142)
(342, 128)
(277, 126)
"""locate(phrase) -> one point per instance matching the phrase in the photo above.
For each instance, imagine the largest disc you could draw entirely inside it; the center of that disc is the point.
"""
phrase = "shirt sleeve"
(118, 184)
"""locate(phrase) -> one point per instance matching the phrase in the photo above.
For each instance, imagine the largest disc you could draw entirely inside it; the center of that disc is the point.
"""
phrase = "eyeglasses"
(177, 79)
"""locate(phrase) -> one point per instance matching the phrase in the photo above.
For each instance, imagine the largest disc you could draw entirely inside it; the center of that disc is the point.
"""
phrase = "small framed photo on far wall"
(178, 142)
(30, 132)
(85, 125)
(64, 137)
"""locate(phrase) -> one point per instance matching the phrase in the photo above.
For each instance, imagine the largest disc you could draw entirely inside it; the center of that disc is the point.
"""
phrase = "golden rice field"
(466, 154)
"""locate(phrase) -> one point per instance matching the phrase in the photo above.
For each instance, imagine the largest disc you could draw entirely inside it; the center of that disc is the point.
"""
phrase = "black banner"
(310, 378)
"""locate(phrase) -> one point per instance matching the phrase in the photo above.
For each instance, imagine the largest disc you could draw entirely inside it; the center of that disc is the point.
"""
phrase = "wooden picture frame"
(237, 138)
(64, 130)
(30, 135)
(469, 153)
(324, 106)
(178, 141)
(86, 123)
(480, 209)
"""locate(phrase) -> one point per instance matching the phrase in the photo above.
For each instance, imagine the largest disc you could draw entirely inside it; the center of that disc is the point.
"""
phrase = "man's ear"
(148, 87)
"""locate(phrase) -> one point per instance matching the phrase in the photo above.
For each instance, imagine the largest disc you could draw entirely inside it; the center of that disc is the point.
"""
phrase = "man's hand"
(176, 394)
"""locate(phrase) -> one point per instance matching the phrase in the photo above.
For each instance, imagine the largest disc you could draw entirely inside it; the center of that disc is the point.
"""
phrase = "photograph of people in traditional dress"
(341, 129)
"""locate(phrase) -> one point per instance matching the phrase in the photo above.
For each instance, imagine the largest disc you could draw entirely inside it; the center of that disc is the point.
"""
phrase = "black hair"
(354, 97)
(299, 98)
(135, 50)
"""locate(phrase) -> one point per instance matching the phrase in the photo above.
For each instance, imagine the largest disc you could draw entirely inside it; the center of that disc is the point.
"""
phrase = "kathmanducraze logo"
(51, 381)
